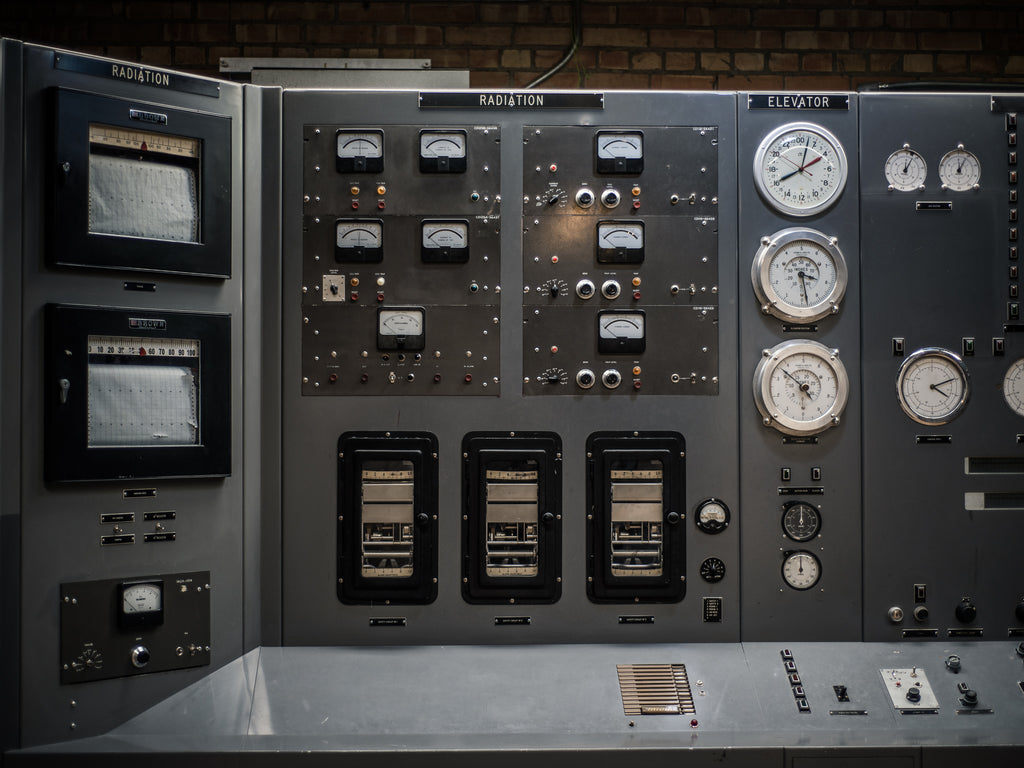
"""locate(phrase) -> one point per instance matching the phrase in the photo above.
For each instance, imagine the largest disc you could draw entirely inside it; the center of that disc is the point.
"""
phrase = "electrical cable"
(577, 34)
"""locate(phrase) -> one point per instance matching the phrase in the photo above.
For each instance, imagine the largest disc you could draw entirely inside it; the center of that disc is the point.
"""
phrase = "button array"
(1013, 290)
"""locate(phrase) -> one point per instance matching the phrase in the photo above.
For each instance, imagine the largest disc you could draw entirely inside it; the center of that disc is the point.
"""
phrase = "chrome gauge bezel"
(770, 144)
(1013, 387)
(791, 530)
(792, 580)
(899, 182)
(775, 304)
(772, 361)
(949, 179)
(911, 364)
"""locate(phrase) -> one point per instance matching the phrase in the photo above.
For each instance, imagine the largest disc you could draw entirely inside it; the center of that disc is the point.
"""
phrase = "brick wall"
(680, 44)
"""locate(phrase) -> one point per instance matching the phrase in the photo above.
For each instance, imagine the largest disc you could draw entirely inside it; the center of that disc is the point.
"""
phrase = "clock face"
(933, 386)
(800, 169)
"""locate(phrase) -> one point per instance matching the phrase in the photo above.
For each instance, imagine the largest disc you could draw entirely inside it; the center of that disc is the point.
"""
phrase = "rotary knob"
(140, 656)
(966, 611)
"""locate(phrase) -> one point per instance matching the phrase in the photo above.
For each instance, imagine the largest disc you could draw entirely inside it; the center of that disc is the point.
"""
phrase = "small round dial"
(932, 386)
(906, 170)
(800, 521)
(960, 170)
(712, 570)
(800, 387)
(800, 169)
(1013, 387)
(801, 569)
(712, 516)
(799, 275)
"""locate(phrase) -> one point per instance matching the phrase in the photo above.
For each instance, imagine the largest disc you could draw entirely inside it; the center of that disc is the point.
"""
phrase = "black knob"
(914, 694)
(553, 290)
(548, 518)
(966, 612)
(970, 697)
(672, 517)
(422, 519)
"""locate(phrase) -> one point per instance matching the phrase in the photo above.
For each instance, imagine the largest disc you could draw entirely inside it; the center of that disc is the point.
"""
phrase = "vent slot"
(994, 465)
(655, 689)
(978, 500)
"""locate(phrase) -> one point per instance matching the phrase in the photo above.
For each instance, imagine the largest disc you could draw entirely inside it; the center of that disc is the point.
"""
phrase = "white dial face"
(400, 322)
(621, 325)
(1013, 387)
(800, 169)
(932, 386)
(445, 234)
(620, 235)
(628, 145)
(906, 170)
(800, 387)
(442, 144)
(959, 170)
(359, 234)
(801, 570)
(360, 144)
(799, 275)
(141, 598)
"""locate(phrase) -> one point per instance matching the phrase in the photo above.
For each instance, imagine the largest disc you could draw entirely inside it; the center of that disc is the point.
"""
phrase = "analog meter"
(933, 386)
(712, 516)
(445, 242)
(1013, 387)
(443, 151)
(800, 520)
(621, 332)
(801, 569)
(400, 328)
(359, 241)
(140, 604)
(906, 170)
(960, 170)
(800, 169)
(620, 242)
(620, 152)
(360, 151)
(800, 387)
(799, 275)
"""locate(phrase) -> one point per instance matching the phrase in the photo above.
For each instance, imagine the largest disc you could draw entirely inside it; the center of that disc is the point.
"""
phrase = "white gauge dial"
(614, 234)
(445, 234)
(800, 387)
(906, 170)
(799, 275)
(621, 325)
(800, 169)
(400, 322)
(142, 598)
(1013, 387)
(359, 234)
(442, 144)
(369, 144)
(933, 386)
(611, 145)
(960, 170)
(801, 569)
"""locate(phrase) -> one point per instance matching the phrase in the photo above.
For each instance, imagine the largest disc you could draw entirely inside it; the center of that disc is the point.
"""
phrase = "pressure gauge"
(712, 516)
(1013, 387)
(621, 331)
(445, 242)
(960, 170)
(800, 521)
(906, 170)
(140, 603)
(800, 169)
(620, 242)
(620, 152)
(801, 569)
(360, 151)
(712, 570)
(400, 328)
(799, 275)
(933, 386)
(442, 151)
(359, 241)
(800, 387)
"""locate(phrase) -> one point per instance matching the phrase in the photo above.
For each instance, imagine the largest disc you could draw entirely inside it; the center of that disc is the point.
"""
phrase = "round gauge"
(801, 569)
(800, 521)
(712, 516)
(442, 144)
(799, 275)
(359, 234)
(906, 170)
(800, 387)
(800, 169)
(960, 170)
(932, 386)
(1013, 387)
(712, 570)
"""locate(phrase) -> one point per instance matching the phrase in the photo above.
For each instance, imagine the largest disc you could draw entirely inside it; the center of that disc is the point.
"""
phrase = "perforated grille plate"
(655, 689)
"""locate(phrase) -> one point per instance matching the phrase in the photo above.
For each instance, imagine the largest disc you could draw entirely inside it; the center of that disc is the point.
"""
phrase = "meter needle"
(940, 384)
(805, 387)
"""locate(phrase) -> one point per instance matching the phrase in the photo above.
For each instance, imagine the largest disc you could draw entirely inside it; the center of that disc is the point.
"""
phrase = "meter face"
(400, 328)
(445, 242)
(619, 152)
(360, 151)
(443, 151)
(620, 242)
(359, 241)
(621, 332)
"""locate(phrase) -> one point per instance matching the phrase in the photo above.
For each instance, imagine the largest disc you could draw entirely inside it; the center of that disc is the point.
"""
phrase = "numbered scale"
(799, 275)
(800, 169)
(800, 387)
(933, 386)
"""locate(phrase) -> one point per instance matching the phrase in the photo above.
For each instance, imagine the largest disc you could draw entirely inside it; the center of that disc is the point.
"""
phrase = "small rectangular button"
(998, 346)
(1011, 120)
(802, 705)
(815, 474)
(1013, 311)
(1011, 138)
(1013, 214)
(794, 679)
(1012, 158)
(1014, 271)
(790, 666)
(1014, 291)
(786, 474)
(1013, 253)
(899, 346)
(967, 344)
(786, 654)
(1013, 195)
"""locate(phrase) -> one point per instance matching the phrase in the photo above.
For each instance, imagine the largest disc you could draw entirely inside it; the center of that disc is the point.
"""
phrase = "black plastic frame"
(478, 450)
(604, 448)
(67, 455)
(71, 243)
(420, 448)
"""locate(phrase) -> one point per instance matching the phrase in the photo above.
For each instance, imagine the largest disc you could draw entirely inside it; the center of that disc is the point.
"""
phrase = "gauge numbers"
(1013, 387)
(801, 569)
(442, 151)
(712, 516)
(712, 570)
(359, 242)
(621, 332)
(906, 170)
(620, 152)
(620, 242)
(360, 151)
(800, 169)
(799, 275)
(141, 604)
(960, 170)
(932, 386)
(400, 328)
(800, 387)
(445, 242)
(800, 521)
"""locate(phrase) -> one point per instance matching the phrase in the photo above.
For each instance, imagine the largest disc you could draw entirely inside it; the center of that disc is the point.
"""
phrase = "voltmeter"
(359, 241)
(619, 152)
(620, 242)
(360, 151)
(140, 603)
(400, 328)
(444, 242)
(621, 331)
(443, 151)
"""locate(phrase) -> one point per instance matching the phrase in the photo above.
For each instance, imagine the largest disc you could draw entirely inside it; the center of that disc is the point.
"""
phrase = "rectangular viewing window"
(636, 519)
(388, 504)
(512, 521)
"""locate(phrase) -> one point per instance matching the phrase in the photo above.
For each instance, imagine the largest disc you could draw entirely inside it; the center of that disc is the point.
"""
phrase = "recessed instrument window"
(387, 518)
(637, 527)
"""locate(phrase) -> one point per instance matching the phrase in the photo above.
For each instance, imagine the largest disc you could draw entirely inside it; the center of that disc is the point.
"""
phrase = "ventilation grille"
(655, 689)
